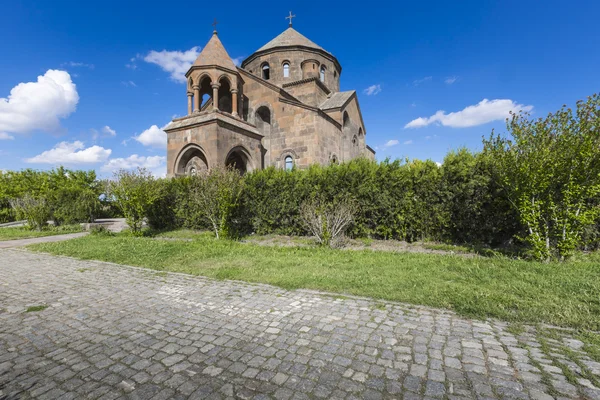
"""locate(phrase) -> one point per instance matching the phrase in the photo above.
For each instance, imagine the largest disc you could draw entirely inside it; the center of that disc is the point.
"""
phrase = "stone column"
(215, 87)
(190, 102)
(196, 98)
(234, 102)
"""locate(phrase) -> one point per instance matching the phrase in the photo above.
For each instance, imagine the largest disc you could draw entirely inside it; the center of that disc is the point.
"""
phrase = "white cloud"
(390, 143)
(110, 132)
(450, 80)
(373, 90)
(153, 136)
(482, 113)
(71, 153)
(132, 63)
(154, 163)
(6, 136)
(408, 142)
(238, 61)
(128, 83)
(418, 82)
(176, 63)
(78, 64)
(35, 106)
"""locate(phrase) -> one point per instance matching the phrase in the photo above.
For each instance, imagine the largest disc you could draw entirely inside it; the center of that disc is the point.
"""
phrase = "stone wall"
(303, 64)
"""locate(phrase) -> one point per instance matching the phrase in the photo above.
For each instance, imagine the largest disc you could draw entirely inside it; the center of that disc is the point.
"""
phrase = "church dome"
(291, 38)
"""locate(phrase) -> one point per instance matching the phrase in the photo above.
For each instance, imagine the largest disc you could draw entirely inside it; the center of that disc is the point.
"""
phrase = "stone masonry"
(282, 107)
(115, 332)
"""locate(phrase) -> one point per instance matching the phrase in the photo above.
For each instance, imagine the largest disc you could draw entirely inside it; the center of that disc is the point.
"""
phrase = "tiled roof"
(291, 37)
(214, 54)
(337, 100)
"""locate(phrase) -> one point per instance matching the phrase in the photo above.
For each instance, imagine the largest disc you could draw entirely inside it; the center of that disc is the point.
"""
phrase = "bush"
(35, 210)
(134, 193)
(328, 222)
(215, 196)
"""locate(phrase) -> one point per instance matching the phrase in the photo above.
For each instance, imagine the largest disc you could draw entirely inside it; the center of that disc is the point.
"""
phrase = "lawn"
(565, 294)
(20, 232)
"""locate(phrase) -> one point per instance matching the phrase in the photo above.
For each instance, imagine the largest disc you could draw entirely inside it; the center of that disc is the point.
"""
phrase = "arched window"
(266, 71)
(289, 163)
(355, 141)
(322, 73)
(286, 70)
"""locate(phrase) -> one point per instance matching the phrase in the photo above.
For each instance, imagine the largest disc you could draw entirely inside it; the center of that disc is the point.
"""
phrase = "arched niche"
(191, 160)
(239, 158)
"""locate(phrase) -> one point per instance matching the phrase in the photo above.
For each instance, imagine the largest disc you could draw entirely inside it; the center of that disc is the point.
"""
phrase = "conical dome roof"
(291, 37)
(214, 54)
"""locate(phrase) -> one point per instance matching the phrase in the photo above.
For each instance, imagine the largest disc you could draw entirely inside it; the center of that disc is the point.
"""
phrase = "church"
(281, 107)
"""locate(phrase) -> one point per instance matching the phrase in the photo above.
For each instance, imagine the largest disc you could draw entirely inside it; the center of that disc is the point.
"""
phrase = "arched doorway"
(239, 159)
(191, 161)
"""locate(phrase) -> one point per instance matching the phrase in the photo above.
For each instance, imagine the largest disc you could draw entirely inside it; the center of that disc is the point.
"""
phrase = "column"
(190, 105)
(196, 98)
(234, 102)
(216, 87)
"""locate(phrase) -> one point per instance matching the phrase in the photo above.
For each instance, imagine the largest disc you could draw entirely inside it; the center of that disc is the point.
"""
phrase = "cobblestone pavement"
(120, 332)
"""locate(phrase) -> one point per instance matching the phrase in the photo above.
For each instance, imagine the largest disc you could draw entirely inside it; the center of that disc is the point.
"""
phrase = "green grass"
(21, 232)
(36, 308)
(563, 294)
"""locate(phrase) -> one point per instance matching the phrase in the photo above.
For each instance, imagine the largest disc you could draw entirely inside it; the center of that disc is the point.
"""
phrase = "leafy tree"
(550, 170)
(134, 192)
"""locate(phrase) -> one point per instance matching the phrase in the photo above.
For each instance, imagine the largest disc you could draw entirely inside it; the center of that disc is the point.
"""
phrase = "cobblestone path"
(119, 332)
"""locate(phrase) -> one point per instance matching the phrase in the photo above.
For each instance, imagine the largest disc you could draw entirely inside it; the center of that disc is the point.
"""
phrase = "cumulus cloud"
(153, 137)
(38, 106)
(450, 80)
(390, 143)
(154, 163)
(71, 153)
(373, 90)
(176, 63)
(6, 136)
(408, 142)
(418, 82)
(481, 113)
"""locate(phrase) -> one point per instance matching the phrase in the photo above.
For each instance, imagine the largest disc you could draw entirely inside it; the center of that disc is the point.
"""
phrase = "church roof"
(291, 37)
(337, 100)
(214, 54)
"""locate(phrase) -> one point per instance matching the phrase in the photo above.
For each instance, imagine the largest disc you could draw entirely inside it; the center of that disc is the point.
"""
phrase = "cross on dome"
(290, 18)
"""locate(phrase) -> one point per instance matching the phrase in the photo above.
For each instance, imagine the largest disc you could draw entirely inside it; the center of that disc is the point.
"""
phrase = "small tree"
(33, 209)
(550, 170)
(216, 194)
(328, 222)
(134, 192)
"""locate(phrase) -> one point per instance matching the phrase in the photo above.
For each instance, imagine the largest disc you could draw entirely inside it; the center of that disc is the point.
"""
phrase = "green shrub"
(134, 192)
(33, 209)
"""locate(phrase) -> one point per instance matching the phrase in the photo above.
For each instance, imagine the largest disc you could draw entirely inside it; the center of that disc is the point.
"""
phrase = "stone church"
(281, 107)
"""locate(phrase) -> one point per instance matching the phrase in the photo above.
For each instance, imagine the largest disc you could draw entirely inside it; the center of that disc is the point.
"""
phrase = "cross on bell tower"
(214, 24)
(290, 18)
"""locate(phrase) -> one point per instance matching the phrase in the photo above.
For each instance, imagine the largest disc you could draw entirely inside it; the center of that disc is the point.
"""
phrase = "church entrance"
(238, 159)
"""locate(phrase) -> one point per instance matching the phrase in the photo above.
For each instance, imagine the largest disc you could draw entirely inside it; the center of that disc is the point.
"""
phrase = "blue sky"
(90, 84)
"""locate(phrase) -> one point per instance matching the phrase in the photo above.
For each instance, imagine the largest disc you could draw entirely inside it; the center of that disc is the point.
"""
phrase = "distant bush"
(328, 222)
(134, 192)
(35, 210)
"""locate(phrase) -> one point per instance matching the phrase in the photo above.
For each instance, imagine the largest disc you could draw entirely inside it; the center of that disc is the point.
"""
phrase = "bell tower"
(212, 133)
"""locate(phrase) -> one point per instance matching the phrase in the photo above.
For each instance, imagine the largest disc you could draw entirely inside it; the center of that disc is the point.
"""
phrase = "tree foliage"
(549, 169)
(134, 192)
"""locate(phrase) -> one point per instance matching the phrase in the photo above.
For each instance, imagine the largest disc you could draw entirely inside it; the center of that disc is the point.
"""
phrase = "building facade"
(281, 107)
